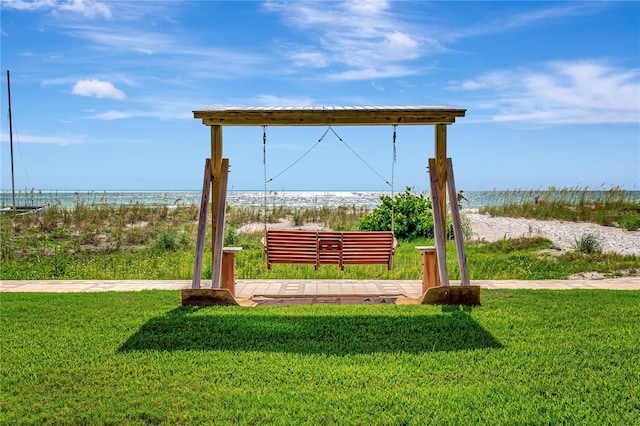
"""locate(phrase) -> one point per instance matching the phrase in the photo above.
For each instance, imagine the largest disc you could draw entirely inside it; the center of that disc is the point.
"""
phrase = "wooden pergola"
(218, 117)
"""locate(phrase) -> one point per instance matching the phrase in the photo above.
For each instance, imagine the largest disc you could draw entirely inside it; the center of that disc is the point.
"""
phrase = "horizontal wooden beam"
(321, 116)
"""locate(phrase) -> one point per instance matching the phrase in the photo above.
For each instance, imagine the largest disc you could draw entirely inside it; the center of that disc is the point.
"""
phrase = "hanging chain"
(264, 162)
(359, 157)
(299, 158)
(393, 172)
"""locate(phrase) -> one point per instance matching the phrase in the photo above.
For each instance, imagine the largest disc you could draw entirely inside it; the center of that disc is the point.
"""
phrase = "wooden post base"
(467, 295)
(208, 297)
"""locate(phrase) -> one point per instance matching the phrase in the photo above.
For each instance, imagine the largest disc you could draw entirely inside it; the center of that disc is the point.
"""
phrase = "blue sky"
(103, 91)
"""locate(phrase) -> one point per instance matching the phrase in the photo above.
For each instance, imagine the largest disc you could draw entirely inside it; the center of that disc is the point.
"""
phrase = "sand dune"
(563, 234)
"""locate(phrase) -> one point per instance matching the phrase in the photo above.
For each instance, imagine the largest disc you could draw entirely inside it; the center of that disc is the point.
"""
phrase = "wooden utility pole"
(13, 184)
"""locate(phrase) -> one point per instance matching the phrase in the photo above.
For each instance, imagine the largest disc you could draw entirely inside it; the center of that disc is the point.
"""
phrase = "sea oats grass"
(611, 207)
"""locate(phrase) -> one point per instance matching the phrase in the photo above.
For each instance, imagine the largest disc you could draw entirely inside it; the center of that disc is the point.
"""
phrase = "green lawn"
(523, 357)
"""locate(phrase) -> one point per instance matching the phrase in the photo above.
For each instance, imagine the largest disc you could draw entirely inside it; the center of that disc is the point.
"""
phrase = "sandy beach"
(562, 234)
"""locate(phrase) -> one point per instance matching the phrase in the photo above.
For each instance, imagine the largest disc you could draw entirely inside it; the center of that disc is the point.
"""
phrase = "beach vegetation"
(338, 218)
(171, 241)
(612, 206)
(137, 358)
(587, 244)
(136, 241)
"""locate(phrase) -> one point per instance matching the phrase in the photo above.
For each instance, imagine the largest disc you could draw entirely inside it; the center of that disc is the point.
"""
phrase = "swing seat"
(329, 248)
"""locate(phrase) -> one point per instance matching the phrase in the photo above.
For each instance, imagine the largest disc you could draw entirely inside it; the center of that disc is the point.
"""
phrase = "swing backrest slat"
(329, 248)
(290, 247)
(368, 248)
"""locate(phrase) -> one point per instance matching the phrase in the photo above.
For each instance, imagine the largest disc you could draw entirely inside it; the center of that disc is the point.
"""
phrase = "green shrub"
(230, 235)
(630, 222)
(59, 263)
(171, 241)
(588, 244)
(413, 216)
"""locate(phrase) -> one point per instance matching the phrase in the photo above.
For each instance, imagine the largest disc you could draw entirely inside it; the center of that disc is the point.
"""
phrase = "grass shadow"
(189, 329)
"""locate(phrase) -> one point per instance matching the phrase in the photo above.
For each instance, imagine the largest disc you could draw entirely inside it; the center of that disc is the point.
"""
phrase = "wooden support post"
(446, 294)
(441, 171)
(202, 225)
(439, 225)
(218, 235)
(430, 277)
(216, 168)
(457, 226)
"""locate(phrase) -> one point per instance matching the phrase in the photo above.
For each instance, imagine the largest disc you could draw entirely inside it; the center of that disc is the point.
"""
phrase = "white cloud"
(401, 45)
(119, 39)
(113, 115)
(28, 5)
(366, 6)
(156, 107)
(49, 140)
(85, 8)
(372, 73)
(362, 36)
(310, 59)
(98, 89)
(531, 18)
(161, 114)
(561, 92)
(167, 52)
(374, 39)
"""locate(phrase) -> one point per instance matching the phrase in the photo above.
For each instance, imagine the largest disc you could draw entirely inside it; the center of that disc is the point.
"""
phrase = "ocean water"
(256, 199)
